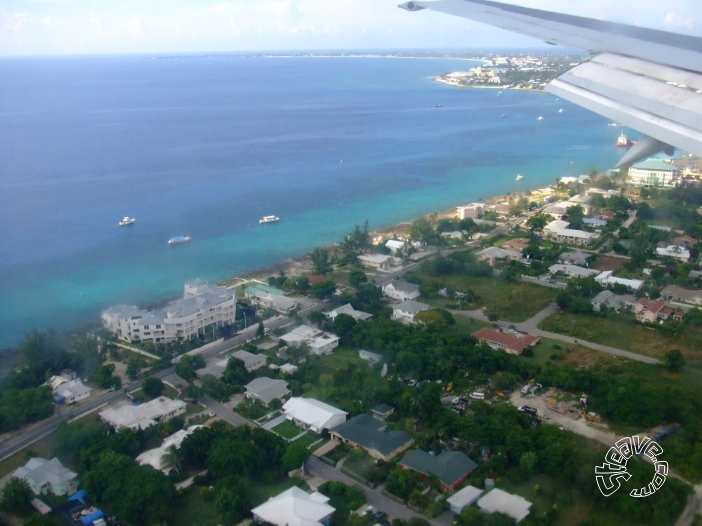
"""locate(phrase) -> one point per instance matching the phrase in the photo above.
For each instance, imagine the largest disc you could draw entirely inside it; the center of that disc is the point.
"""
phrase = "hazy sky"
(40, 27)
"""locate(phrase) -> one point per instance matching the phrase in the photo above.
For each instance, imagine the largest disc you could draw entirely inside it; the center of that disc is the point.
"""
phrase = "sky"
(67, 27)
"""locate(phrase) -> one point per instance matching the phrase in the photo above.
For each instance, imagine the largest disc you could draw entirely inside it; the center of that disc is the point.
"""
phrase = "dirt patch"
(609, 263)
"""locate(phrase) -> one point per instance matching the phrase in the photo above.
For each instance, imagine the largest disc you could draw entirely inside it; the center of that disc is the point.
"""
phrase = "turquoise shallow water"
(205, 146)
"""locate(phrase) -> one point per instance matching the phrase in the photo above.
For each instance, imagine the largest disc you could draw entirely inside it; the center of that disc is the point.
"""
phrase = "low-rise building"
(407, 310)
(464, 498)
(48, 476)
(559, 231)
(609, 300)
(495, 255)
(371, 435)
(251, 361)
(313, 414)
(574, 271)
(377, 261)
(654, 173)
(348, 309)
(295, 507)
(156, 457)
(265, 390)
(606, 278)
(650, 311)
(472, 211)
(382, 412)
(201, 307)
(681, 295)
(576, 257)
(318, 341)
(673, 251)
(71, 392)
(141, 416)
(511, 343)
(500, 501)
(516, 244)
(400, 290)
(395, 245)
(450, 467)
(280, 304)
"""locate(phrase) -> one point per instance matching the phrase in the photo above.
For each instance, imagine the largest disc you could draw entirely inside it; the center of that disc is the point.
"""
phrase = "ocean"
(206, 145)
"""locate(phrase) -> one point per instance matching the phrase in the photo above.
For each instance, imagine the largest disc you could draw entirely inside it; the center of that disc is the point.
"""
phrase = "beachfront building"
(318, 341)
(313, 414)
(201, 307)
(395, 245)
(48, 476)
(471, 211)
(295, 507)
(280, 304)
(654, 173)
(400, 290)
(159, 409)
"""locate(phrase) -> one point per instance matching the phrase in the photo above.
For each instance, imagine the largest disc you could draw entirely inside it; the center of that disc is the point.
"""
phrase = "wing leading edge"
(647, 79)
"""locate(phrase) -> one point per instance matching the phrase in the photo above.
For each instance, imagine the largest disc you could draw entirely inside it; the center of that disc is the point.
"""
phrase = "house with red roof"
(651, 311)
(512, 343)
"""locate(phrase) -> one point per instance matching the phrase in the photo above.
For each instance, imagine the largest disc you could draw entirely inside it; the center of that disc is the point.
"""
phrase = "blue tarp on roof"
(88, 519)
(78, 495)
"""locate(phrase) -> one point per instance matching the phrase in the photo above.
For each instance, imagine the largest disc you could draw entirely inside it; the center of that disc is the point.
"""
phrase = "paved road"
(531, 326)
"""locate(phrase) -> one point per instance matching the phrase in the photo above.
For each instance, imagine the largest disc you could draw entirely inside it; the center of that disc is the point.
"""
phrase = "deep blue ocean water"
(205, 146)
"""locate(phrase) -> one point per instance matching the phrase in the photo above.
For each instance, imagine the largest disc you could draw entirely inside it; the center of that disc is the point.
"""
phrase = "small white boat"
(127, 221)
(540, 118)
(560, 111)
(179, 239)
(519, 177)
(268, 219)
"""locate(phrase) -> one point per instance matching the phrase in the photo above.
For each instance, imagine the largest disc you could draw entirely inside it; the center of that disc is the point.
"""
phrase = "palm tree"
(170, 460)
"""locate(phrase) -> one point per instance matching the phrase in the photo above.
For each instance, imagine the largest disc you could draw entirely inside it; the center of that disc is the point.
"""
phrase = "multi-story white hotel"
(202, 306)
(654, 173)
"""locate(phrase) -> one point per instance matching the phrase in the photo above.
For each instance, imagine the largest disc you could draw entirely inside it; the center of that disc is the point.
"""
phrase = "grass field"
(287, 430)
(514, 302)
(623, 334)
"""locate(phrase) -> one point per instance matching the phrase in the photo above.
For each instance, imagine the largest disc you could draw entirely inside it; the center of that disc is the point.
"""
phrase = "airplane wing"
(647, 79)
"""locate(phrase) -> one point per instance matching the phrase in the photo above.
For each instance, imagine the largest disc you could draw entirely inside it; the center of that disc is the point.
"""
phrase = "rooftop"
(449, 466)
(369, 433)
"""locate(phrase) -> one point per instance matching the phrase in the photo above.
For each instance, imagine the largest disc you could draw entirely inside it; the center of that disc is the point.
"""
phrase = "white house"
(561, 233)
(400, 290)
(348, 309)
(313, 414)
(379, 261)
(500, 501)
(574, 271)
(495, 254)
(606, 278)
(464, 498)
(673, 251)
(295, 507)
(318, 341)
(201, 307)
(154, 457)
(48, 476)
(394, 245)
(72, 392)
(277, 302)
(407, 310)
(472, 211)
(159, 409)
(251, 361)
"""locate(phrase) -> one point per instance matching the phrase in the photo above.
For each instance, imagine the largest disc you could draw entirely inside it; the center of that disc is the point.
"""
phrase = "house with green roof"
(371, 435)
(451, 468)
(654, 173)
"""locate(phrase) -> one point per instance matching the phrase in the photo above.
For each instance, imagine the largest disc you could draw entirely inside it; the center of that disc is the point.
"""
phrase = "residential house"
(673, 251)
(583, 201)
(577, 257)
(654, 173)
(574, 271)
(407, 310)
(295, 507)
(202, 306)
(500, 501)
(606, 278)
(348, 309)
(377, 261)
(382, 412)
(280, 304)
(395, 245)
(450, 467)
(141, 416)
(651, 311)
(155, 457)
(265, 390)
(371, 435)
(251, 361)
(215, 369)
(496, 254)
(558, 210)
(400, 290)
(510, 343)
(682, 295)
(559, 231)
(464, 498)
(609, 300)
(594, 222)
(48, 476)
(516, 244)
(318, 341)
(313, 414)
(71, 392)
